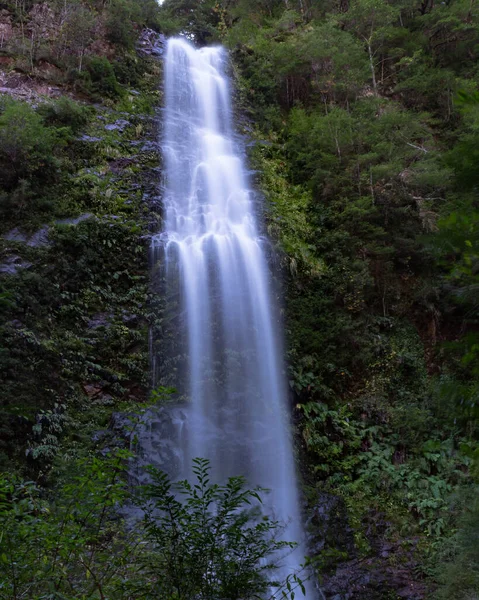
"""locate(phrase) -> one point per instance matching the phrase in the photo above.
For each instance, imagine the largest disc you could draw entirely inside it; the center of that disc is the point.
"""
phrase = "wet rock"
(375, 578)
(151, 43)
(89, 138)
(328, 526)
(121, 424)
(129, 318)
(118, 165)
(99, 436)
(16, 324)
(161, 434)
(100, 320)
(13, 264)
(39, 238)
(119, 125)
(389, 571)
(15, 235)
(151, 146)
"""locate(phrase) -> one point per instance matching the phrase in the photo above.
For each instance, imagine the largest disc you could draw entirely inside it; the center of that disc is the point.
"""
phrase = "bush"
(65, 113)
(211, 544)
(119, 25)
(75, 545)
(128, 70)
(26, 146)
(103, 79)
(459, 577)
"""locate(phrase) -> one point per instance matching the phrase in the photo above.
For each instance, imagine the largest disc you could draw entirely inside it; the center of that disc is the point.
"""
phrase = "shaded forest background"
(364, 117)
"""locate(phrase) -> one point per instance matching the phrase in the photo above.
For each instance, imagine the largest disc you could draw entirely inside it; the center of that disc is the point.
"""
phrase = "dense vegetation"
(198, 540)
(365, 115)
(75, 182)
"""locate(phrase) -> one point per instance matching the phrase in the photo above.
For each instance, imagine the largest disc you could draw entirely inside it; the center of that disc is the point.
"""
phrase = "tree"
(370, 20)
(103, 78)
(26, 145)
(78, 31)
(195, 17)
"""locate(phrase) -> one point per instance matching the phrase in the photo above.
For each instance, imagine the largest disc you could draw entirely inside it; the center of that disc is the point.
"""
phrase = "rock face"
(388, 573)
(23, 87)
(100, 320)
(42, 23)
(13, 264)
(25, 72)
(118, 125)
(151, 43)
(374, 579)
(161, 431)
(40, 237)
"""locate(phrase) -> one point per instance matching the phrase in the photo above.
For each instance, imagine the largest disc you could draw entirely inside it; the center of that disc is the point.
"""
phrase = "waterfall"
(214, 266)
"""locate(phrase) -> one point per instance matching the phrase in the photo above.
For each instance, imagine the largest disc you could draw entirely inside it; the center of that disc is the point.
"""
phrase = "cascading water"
(214, 263)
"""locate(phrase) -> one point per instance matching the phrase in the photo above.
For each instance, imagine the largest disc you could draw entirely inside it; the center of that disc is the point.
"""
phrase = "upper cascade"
(210, 196)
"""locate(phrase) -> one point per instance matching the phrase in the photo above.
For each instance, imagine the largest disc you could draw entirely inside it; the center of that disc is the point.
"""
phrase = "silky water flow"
(223, 348)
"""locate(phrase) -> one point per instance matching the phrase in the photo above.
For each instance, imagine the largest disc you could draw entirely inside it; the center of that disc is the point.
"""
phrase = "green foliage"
(197, 19)
(119, 25)
(74, 328)
(66, 113)
(71, 544)
(459, 574)
(367, 119)
(212, 544)
(103, 80)
(161, 394)
(202, 540)
(27, 146)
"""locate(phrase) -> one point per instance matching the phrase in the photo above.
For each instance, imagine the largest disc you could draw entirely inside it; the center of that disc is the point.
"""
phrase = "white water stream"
(215, 255)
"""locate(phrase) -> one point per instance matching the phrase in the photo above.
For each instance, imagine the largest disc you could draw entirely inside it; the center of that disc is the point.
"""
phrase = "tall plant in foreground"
(210, 541)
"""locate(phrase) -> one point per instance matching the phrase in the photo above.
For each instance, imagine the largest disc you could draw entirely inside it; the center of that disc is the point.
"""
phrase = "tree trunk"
(371, 64)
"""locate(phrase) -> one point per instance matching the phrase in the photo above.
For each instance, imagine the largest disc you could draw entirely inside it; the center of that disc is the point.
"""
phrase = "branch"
(421, 148)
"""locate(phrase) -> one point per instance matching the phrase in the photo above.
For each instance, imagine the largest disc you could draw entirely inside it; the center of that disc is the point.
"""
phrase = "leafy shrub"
(103, 79)
(119, 25)
(65, 113)
(26, 145)
(459, 576)
(128, 70)
(76, 545)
